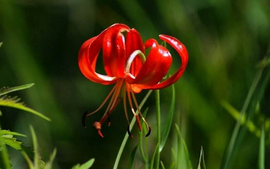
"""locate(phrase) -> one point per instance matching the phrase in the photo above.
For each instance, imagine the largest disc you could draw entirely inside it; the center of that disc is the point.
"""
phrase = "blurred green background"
(225, 39)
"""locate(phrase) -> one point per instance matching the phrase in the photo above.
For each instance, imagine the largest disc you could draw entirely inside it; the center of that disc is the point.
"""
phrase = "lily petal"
(114, 52)
(88, 55)
(133, 43)
(183, 53)
(155, 67)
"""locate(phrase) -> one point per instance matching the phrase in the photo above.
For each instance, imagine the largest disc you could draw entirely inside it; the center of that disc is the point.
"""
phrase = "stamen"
(125, 107)
(113, 103)
(97, 126)
(132, 109)
(131, 58)
(129, 133)
(149, 131)
(138, 108)
(86, 114)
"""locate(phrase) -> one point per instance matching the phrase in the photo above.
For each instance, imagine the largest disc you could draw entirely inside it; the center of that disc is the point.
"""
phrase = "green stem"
(124, 142)
(158, 126)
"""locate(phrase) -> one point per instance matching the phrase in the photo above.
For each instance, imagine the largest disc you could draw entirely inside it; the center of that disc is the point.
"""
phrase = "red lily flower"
(126, 67)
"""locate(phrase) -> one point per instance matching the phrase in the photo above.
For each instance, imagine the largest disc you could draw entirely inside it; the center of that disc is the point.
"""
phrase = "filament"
(132, 109)
(113, 103)
(86, 114)
(138, 108)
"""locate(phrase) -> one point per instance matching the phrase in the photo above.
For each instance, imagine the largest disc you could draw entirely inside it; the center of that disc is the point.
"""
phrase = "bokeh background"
(226, 39)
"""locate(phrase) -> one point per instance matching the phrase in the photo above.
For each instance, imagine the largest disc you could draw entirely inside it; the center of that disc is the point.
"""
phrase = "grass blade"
(154, 157)
(4, 157)
(201, 160)
(262, 149)
(231, 149)
(88, 164)
(50, 162)
(132, 157)
(182, 154)
(6, 90)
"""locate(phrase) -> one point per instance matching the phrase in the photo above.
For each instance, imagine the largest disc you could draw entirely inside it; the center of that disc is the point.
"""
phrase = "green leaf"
(132, 157)
(38, 163)
(7, 132)
(169, 120)
(162, 165)
(50, 162)
(262, 149)
(14, 103)
(1, 43)
(236, 115)
(237, 134)
(4, 157)
(86, 165)
(10, 141)
(182, 153)
(154, 157)
(6, 90)
(201, 160)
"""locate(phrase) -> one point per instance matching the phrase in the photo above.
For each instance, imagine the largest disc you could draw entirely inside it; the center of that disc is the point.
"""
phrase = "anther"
(84, 119)
(129, 133)
(100, 134)
(149, 132)
(97, 126)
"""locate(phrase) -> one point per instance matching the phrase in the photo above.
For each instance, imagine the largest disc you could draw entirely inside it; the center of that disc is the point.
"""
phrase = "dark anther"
(149, 132)
(83, 119)
(129, 133)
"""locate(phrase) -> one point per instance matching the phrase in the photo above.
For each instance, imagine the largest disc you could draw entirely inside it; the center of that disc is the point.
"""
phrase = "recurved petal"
(87, 61)
(183, 53)
(133, 43)
(114, 50)
(155, 67)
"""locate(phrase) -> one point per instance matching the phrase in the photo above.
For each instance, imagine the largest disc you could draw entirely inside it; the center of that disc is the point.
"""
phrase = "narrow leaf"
(7, 132)
(154, 157)
(182, 154)
(162, 165)
(4, 157)
(169, 120)
(262, 149)
(227, 160)
(1, 43)
(132, 157)
(50, 162)
(201, 160)
(13, 102)
(6, 90)
(88, 164)
(35, 143)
